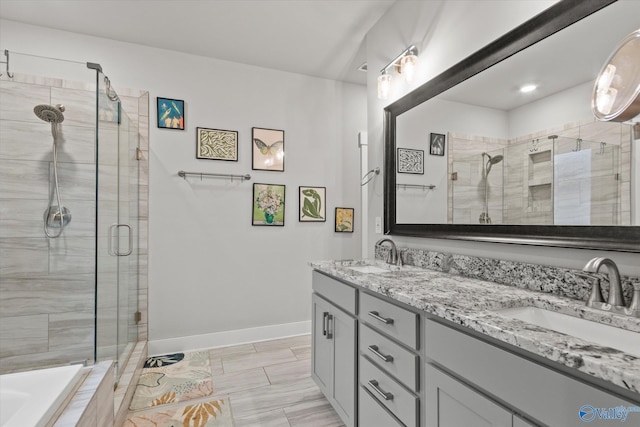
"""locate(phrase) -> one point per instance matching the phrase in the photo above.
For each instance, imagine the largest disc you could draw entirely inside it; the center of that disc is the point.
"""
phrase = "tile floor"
(268, 385)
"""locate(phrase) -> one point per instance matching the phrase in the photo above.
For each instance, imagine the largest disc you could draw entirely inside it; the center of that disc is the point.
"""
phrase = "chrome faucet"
(615, 302)
(393, 257)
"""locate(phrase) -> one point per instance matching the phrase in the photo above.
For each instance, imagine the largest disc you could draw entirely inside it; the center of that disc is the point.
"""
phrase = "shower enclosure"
(551, 180)
(69, 216)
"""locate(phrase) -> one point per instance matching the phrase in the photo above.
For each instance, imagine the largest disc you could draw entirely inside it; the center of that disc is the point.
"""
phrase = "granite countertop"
(469, 302)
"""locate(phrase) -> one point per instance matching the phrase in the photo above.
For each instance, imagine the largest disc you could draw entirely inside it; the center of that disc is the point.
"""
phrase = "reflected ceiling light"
(405, 64)
(616, 92)
(528, 88)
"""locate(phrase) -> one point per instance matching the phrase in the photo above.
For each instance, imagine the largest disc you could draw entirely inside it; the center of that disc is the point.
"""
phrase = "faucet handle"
(596, 292)
(634, 306)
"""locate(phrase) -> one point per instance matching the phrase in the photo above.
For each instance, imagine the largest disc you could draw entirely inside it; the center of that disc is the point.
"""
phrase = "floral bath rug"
(173, 378)
(215, 413)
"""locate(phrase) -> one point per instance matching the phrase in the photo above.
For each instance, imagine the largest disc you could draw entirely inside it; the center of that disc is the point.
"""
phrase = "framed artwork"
(410, 161)
(216, 144)
(344, 220)
(268, 204)
(312, 204)
(170, 113)
(436, 144)
(268, 149)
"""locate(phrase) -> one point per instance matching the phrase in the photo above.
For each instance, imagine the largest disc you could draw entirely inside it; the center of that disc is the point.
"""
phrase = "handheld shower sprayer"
(486, 168)
(55, 216)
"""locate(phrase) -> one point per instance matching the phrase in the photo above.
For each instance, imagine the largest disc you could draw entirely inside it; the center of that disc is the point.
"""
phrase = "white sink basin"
(368, 269)
(601, 334)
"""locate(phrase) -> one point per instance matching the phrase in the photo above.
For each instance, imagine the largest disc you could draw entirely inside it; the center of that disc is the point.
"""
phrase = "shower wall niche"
(59, 298)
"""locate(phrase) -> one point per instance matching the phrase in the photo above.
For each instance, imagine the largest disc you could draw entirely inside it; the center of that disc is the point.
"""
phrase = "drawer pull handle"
(386, 395)
(374, 349)
(329, 326)
(386, 321)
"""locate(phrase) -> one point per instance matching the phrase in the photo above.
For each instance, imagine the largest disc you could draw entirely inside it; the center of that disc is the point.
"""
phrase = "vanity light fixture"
(405, 64)
(616, 92)
(384, 85)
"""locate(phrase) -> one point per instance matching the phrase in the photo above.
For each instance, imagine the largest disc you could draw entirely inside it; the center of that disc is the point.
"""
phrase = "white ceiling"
(567, 59)
(323, 38)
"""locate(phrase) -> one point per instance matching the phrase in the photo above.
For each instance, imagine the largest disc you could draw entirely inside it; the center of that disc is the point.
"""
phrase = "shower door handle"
(110, 240)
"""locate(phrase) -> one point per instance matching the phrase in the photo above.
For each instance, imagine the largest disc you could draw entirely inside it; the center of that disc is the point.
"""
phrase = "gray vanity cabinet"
(464, 373)
(450, 403)
(333, 356)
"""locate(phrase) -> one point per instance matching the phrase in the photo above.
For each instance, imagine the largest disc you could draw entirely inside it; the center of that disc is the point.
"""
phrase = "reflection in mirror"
(524, 158)
(520, 166)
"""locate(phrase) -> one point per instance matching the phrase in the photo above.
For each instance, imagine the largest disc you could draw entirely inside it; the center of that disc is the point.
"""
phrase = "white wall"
(571, 105)
(210, 270)
(445, 33)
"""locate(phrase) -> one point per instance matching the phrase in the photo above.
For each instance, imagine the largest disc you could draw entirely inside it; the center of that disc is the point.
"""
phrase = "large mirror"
(468, 155)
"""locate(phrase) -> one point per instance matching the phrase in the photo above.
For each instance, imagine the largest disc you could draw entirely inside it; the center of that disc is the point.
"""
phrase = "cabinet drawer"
(400, 401)
(337, 292)
(372, 414)
(397, 322)
(396, 360)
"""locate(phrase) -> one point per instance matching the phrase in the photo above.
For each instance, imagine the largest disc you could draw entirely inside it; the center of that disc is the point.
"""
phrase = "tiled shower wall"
(47, 293)
(518, 199)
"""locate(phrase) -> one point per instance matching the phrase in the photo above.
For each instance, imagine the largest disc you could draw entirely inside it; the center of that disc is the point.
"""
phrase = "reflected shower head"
(495, 159)
(49, 113)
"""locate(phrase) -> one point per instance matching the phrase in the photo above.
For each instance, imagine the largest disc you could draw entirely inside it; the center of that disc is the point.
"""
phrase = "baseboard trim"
(227, 338)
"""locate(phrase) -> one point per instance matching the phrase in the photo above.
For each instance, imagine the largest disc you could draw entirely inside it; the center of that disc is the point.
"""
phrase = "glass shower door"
(117, 213)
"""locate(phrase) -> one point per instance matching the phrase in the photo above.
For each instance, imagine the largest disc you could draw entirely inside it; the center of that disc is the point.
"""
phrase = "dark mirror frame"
(550, 21)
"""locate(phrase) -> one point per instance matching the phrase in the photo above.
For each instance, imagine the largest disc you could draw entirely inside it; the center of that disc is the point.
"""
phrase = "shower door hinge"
(454, 176)
(137, 317)
(138, 153)
(617, 177)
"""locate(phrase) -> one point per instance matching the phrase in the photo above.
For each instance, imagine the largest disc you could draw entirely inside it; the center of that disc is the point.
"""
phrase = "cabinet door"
(521, 422)
(322, 346)
(343, 330)
(450, 403)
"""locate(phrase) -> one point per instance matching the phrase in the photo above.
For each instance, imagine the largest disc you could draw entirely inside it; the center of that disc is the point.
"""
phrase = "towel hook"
(369, 176)
(9, 73)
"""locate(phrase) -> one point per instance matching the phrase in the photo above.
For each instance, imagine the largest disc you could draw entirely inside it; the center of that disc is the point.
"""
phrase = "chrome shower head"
(49, 113)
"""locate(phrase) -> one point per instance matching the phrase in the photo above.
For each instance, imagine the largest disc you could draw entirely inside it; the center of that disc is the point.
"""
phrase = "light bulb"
(408, 66)
(384, 86)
